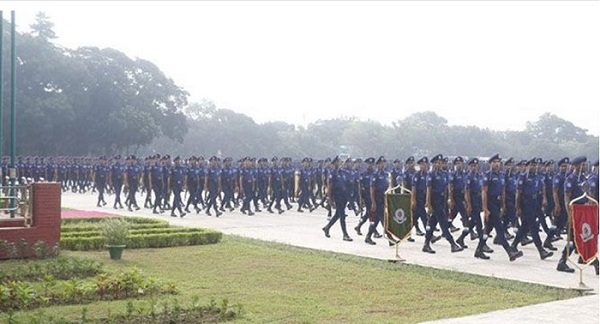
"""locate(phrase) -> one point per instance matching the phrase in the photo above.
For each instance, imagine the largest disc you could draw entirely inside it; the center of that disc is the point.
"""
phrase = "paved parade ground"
(304, 230)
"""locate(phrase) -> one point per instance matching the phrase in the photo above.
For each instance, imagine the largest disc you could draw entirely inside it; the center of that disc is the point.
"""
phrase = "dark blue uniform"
(379, 184)
(178, 174)
(338, 183)
(116, 177)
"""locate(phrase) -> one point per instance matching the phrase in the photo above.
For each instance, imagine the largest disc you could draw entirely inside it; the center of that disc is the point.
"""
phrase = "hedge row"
(91, 233)
(96, 220)
(140, 241)
(96, 227)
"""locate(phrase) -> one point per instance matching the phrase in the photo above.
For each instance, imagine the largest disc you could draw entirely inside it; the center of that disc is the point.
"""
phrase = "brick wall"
(46, 201)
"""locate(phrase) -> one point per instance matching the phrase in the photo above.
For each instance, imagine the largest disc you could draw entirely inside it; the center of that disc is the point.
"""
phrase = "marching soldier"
(100, 176)
(338, 197)
(418, 197)
(247, 185)
(116, 180)
(193, 184)
(378, 185)
(131, 182)
(213, 185)
(365, 189)
(437, 187)
(178, 178)
(157, 183)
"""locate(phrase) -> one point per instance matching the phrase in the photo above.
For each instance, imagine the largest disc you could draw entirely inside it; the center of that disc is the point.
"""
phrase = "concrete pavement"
(304, 230)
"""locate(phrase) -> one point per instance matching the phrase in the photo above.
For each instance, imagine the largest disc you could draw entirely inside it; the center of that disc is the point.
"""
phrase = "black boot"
(562, 263)
(480, 255)
(548, 243)
(427, 248)
(545, 254)
(461, 239)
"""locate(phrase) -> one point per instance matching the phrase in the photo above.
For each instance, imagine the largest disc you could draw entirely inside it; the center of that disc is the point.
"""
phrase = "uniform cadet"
(313, 184)
(352, 185)
(229, 183)
(166, 191)
(493, 201)
(473, 186)
(548, 177)
(328, 167)
(437, 190)
(262, 181)
(528, 190)
(418, 196)
(338, 197)
(156, 182)
(288, 181)
(572, 189)
(396, 175)
(116, 180)
(357, 196)
(378, 185)
(254, 166)
(193, 184)
(365, 189)
(543, 202)
(408, 173)
(213, 185)
(178, 181)
(306, 175)
(247, 185)
(457, 193)
(319, 171)
(201, 179)
(131, 182)
(510, 212)
(101, 172)
(558, 195)
(593, 181)
(276, 186)
(146, 182)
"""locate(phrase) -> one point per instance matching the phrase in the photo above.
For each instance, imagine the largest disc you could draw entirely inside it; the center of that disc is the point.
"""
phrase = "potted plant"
(115, 232)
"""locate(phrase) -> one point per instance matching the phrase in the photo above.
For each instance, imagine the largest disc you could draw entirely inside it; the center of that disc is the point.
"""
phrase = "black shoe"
(461, 242)
(219, 214)
(368, 240)
(377, 235)
(208, 213)
(326, 231)
(289, 207)
(549, 246)
(473, 236)
(182, 214)
(481, 255)
(545, 254)
(486, 249)
(243, 211)
(513, 255)
(300, 210)
(556, 238)
(187, 210)
(270, 210)
(419, 232)
(357, 229)
(280, 211)
(173, 215)
(410, 239)
(347, 238)
(526, 241)
(453, 228)
(222, 209)
(427, 249)
(98, 205)
(250, 213)
(508, 236)
(436, 238)
(563, 267)
(456, 248)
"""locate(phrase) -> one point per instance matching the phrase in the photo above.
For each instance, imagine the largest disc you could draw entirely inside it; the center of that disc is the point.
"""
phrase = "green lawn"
(277, 283)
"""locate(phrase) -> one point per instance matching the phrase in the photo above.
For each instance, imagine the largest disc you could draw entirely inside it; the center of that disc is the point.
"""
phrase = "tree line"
(92, 101)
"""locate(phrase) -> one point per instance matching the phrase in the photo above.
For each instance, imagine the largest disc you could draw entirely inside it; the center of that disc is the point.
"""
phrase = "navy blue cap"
(562, 161)
(473, 161)
(532, 161)
(579, 160)
(423, 160)
(370, 160)
(595, 163)
(494, 158)
(509, 161)
(381, 159)
(458, 159)
(335, 159)
(437, 158)
(410, 159)
(358, 160)
(396, 161)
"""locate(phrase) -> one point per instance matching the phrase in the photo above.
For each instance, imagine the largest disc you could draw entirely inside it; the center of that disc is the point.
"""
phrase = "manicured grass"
(278, 283)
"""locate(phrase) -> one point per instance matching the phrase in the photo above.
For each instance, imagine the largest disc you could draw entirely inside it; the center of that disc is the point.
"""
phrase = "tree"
(555, 129)
(43, 27)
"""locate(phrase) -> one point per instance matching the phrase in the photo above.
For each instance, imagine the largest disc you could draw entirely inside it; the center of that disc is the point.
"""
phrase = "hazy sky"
(494, 64)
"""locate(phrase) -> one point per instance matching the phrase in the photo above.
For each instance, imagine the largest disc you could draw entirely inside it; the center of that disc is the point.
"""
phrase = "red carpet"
(83, 214)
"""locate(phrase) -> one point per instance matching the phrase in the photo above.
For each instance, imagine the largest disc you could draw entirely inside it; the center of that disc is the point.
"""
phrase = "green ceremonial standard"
(398, 218)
